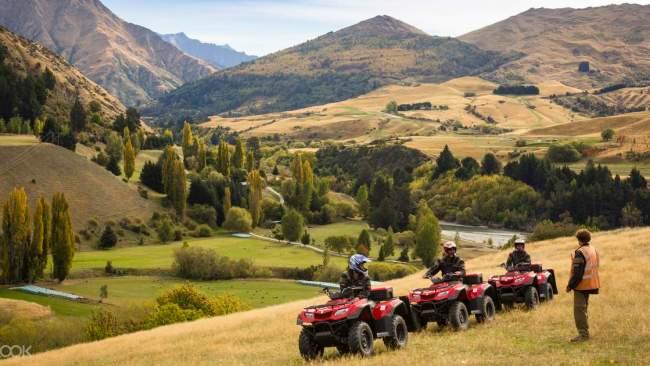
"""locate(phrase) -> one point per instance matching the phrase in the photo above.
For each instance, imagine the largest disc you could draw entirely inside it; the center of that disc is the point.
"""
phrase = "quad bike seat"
(473, 279)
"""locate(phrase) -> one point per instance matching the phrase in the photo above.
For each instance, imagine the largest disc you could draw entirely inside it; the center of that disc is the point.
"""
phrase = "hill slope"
(269, 336)
(614, 39)
(216, 55)
(28, 58)
(131, 62)
(91, 191)
(333, 67)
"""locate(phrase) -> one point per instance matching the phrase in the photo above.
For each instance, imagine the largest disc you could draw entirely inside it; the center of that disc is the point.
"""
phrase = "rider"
(356, 276)
(519, 255)
(449, 263)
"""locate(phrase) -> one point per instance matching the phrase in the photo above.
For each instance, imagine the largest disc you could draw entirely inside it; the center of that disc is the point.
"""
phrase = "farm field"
(536, 338)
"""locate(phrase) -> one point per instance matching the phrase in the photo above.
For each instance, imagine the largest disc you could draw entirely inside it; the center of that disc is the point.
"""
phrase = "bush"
(170, 314)
(60, 331)
(345, 210)
(272, 210)
(108, 238)
(328, 274)
(562, 154)
(203, 214)
(238, 219)
(103, 324)
(205, 264)
(607, 134)
(187, 297)
(516, 90)
(551, 230)
(388, 271)
(292, 225)
(340, 243)
(203, 231)
(227, 303)
(166, 230)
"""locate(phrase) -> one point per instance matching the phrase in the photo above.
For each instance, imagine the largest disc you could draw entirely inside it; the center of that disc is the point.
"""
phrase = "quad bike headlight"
(309, 315)
(341, 312)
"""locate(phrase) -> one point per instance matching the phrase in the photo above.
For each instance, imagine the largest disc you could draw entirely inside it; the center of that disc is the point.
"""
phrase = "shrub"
(170, 314)
(305, 238)
(108, 238)
(292, 225)
(238, 219)
(103, 324)
(203, 214)
(345, 210)
(272, 210)
(203, 231)
(205, 264)
(187, 297)
(166, 230)
(551, 230)
(340, 243)
(607, 134)
(562, 154)
(227, 303)
(388, 271)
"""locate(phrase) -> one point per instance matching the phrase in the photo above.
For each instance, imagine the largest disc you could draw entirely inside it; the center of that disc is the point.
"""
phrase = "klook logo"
(7, 351)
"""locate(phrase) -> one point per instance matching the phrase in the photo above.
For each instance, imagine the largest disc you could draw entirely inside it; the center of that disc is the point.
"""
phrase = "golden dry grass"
(19, 309)
(268, 336)
(624, 124)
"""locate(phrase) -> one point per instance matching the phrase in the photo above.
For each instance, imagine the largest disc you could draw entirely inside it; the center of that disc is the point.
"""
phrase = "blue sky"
(263, 26)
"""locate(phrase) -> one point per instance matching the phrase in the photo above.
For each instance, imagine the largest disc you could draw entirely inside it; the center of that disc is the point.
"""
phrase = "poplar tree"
(15, 236)
(227, 201)
(36, 253)
(239, 156)
(178, 187)
(129, 159)
(43, 209)
(62, 239)
(255, 186)
(168, 159)
(427, 239)
(188, 140)
(201, 157)
(307, 184)
(250, 161)
(362, 200)
(223, 158)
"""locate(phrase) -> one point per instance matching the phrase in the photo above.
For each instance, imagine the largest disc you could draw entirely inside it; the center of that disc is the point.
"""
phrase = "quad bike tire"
(309, 348)
(531, 298)
(458, 316)
(548, 292)
(488, 310)
(399, 333)
(360, 339)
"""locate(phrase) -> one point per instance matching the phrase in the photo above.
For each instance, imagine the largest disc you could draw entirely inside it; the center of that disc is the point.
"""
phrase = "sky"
(260, 27)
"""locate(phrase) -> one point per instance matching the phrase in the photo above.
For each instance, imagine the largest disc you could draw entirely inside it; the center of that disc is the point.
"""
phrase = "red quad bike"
(351, 323)
(525, 283)
(452, 299)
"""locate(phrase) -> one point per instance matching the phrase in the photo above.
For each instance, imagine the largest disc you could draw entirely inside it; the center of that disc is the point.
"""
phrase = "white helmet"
(449, 245)
(520, 241)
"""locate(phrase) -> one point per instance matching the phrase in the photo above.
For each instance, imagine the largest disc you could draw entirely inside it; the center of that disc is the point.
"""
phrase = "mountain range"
(219, 56)
(131, 62)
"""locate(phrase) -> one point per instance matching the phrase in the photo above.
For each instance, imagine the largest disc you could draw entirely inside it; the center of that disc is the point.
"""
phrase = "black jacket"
(447, 265)
(351, 279)
(517, 257)
(579, 264)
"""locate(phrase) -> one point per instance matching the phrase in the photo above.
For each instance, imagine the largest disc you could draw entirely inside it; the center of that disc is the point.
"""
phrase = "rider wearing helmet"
(356, 276)
(519, 255)
(449, 263)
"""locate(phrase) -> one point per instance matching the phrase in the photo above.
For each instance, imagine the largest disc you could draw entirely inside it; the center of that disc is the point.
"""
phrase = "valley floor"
(269, 336)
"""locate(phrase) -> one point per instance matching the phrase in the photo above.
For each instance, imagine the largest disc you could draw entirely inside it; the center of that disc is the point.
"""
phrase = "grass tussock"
(618, 317)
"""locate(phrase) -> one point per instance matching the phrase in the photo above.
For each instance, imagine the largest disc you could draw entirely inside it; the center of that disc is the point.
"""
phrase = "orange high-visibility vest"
(590, 279)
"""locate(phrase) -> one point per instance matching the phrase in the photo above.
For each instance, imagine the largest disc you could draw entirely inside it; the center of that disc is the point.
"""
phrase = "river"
(479, 234)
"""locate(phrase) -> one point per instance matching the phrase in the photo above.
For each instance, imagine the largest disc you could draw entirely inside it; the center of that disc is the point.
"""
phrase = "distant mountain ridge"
(220, 56)
(613, 39)
(335, 66)
(130, 61)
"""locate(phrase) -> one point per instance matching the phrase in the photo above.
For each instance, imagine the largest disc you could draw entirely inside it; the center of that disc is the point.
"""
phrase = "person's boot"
(580, 338)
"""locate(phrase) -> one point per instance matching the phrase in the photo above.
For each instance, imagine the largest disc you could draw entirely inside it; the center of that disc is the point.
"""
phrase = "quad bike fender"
(384, 317)
(551, 280)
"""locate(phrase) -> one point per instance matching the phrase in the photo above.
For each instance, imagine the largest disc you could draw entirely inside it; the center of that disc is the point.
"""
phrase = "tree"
(77, 116)
(169, 158)
(607, 134)
(445, 162)
(637, 181)
(339, 243)
(103, 293)
(558, 153)
(33, 263)
(129, 159)
(255, 188)
(469, 168)
(188, 140)
(151, 176)
(223, 158)
(250, 161)
(391, 107)
(307, 184)
(114, 146)
(166, 230)
(389, 244)
(16, 238)
(201, 157)
(364, 239)
(239, 220)
(239, 156)
(362, 200)
(490, 165)
(62, 239)
(292, 225)
(404, 255)
(113, 167)
(43, 219)
(275, 170)
(427, 239)
(227, 202)
(108, 238)
(178, 188)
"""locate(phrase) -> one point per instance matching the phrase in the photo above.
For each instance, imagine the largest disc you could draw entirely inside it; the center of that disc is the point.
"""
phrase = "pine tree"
(62, 239)
(255, 187)
(129, 159)
(490, 165)
(188, 140)
(364, 239)
(445, 162)
(239, 156)
(362, 200)
(15, 236)
(77, 116)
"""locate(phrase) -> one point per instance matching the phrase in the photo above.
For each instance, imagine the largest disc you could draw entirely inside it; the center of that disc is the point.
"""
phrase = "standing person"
(584, 281)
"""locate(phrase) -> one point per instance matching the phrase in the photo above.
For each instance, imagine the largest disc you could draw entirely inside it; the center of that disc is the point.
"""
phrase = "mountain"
(221, 57)
(28, 58)
(614, 40)
(333, 67)
(131, 62)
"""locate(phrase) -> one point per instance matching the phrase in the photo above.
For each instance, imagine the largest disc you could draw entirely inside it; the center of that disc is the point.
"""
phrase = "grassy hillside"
(613, 39)
(269, 336)
(28, 58)
(91, 191)
(333, 67)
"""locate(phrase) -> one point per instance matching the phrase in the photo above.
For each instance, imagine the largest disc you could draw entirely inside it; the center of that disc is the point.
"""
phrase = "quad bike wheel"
(488, 310)
(531, 298)
(458, 316)
(360, 339)
(548, 292)
(309, 348)
(399, 334)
